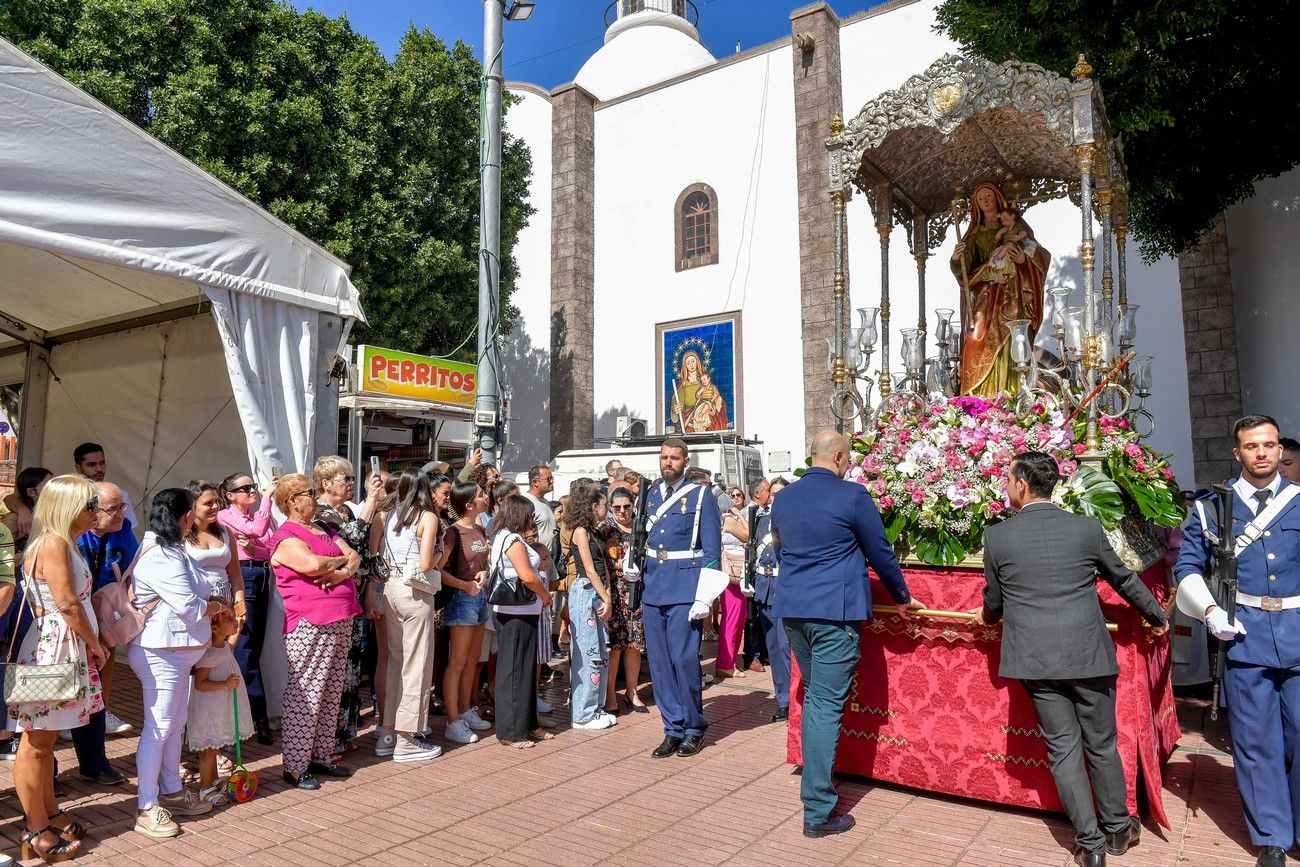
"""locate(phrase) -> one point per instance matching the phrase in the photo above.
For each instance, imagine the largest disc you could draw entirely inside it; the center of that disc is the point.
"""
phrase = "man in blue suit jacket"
(1262, 681)
(827, 531)
(685, 536)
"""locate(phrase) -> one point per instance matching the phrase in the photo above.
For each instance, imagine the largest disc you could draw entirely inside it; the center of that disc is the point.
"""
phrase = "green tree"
(1204, 92)
(378, 161)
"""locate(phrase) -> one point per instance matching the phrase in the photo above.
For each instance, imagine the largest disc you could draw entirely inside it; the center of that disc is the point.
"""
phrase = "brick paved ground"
(597, 797)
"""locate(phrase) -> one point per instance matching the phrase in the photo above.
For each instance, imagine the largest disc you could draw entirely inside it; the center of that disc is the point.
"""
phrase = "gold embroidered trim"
(1016, 760)
(1028, 733)
(876, 711)
(872, 736)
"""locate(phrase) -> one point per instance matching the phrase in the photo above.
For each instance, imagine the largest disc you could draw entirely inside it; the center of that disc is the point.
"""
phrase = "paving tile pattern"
(598, 798)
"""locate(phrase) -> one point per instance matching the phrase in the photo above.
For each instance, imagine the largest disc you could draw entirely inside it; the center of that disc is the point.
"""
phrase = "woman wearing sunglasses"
(626, 637)
(252, 526)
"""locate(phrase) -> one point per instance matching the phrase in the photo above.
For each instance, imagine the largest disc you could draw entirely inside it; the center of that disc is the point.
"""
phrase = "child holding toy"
(211, 722)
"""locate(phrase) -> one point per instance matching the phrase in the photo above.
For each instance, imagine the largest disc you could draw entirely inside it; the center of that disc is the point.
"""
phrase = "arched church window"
(696, 218)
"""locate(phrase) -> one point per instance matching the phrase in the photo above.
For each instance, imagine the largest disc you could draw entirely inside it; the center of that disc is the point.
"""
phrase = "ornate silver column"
(920, 252)
(1107, 281)
(882, 204)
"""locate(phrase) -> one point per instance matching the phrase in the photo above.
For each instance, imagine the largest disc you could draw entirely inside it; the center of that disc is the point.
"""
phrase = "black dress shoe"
(306, 781)
(1090, 857)
(833, 825)
(782, 714)
(1271, 856)
(109, 777)
(328, 769)
(690, 745)
(667, 748)
(640, 708)
(263, 731)
(1117, 844)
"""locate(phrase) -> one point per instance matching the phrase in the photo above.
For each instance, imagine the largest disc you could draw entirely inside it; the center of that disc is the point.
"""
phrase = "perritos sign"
(420, 377)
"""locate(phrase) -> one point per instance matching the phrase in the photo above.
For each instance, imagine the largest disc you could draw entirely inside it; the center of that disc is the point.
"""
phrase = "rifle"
(1223, 585)
(751, 547)
(640, 540)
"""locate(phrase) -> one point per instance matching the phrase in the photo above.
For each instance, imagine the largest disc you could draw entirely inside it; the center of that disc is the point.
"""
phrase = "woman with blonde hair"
(59, 579)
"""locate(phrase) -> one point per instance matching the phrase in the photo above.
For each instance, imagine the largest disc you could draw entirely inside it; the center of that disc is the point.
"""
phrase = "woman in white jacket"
(177, 631)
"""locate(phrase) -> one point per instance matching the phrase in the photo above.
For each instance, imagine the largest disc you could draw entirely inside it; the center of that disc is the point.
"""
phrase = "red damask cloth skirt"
(928, 710)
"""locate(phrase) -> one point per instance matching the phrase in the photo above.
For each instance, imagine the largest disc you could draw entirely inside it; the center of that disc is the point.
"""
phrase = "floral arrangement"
(937, 471)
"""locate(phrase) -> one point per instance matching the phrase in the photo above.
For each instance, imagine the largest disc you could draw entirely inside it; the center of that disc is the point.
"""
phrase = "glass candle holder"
(1073, 319)
(1142, 374)
(1020, 342)
(869, 331)
(943, 324)
(1126, 326)
(911, 351)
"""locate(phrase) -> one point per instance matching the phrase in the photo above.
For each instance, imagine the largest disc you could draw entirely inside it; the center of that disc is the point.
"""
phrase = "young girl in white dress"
(210, 725)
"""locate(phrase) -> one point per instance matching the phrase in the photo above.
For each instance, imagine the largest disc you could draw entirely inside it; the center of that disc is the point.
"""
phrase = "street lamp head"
(520, 10)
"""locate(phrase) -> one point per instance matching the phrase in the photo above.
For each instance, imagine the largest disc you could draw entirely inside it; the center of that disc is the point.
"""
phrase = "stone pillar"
(1210, 341)
(818, 97)
(573, 248)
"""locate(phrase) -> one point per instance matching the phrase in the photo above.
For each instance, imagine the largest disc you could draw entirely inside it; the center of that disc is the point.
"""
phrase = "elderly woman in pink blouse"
(314, 572)
(252, 526)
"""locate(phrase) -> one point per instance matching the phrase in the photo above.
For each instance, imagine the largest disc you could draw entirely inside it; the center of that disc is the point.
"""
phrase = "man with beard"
(1262, 680)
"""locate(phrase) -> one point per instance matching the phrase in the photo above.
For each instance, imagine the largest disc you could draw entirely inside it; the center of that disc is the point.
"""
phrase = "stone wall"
(1213, 373)
(818, 96)
(573, 253)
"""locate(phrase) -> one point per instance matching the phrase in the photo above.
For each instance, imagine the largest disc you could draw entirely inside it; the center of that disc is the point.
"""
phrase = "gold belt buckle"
(1270, 603)
(662, 556)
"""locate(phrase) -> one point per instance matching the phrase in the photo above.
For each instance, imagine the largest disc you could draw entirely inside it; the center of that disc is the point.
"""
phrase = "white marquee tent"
(149, 307)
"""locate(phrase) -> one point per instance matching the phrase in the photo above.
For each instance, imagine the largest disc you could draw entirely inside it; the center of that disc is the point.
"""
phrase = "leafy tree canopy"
(1204, 92)
(377, 161)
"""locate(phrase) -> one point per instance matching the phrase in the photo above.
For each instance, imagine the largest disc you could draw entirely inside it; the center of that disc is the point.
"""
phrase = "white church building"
(676, 191)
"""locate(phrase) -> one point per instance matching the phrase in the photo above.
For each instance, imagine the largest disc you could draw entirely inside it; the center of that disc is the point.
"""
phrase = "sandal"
(214, 794)
(62, 850)
(519, 745)
(224, 765)
(72, 832)
(541, 735)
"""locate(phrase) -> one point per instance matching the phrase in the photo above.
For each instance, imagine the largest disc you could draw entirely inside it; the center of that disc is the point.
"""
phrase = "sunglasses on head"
(311, 492)
(92, 504)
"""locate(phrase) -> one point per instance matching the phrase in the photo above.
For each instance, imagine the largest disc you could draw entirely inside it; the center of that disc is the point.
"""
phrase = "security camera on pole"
(488, 421)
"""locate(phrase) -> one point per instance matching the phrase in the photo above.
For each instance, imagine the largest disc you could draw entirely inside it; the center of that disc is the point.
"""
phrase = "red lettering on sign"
(421, 374)
(377, 363)
(442, 377)
(408, 371)
(470, 383)
(392, 370)
(456, 379)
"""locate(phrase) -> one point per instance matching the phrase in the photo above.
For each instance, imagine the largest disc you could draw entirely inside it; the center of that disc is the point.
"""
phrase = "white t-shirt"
(543, 517)
(500, 544)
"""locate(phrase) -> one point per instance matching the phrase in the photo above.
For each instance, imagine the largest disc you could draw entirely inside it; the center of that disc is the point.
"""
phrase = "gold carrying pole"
(949, 615)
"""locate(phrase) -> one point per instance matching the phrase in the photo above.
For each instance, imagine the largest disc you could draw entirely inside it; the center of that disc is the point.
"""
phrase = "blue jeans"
(590, 651)
(827, 652)
(248, 646)
(466, 610)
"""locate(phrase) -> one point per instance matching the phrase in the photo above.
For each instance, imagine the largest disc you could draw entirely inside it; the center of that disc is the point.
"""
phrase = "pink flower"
(886, 502)
(878, 487)
(996, 507)
(918, 497)
(1069, 468)
(905, 435)
(1080, 448)
(1168, 473)
(1133, 450)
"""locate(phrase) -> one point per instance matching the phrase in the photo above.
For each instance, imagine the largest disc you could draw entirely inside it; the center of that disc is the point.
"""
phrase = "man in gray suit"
(1041, 571)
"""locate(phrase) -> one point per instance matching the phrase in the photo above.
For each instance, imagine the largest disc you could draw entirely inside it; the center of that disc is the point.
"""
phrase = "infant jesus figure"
(1015, 233)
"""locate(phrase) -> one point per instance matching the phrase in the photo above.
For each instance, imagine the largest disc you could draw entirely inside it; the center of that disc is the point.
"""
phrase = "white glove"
(1220, 627)
(699, 610)
(631, 575)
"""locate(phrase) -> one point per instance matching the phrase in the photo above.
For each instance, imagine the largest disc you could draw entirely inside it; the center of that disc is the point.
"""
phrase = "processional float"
(970, 144)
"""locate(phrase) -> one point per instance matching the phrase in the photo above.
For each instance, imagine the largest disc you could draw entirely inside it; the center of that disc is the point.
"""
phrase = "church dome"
(646, 42)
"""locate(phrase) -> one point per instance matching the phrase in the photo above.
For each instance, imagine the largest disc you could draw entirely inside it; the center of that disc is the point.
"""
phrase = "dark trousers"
(516, 690)
(755, 643)
(827, 652)
(672, 643)
(1264, 712)
(778, 653)
(1078, 722)
(248, 646)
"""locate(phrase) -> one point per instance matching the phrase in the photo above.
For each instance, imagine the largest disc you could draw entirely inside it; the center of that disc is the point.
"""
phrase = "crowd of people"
(385, 606)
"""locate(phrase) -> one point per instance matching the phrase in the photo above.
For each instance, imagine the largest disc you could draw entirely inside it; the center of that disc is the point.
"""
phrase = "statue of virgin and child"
(1001, 271)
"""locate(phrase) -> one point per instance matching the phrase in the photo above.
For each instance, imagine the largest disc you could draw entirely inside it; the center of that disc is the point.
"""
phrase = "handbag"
(114, 604)
(413, 576)
(48, 683)
(507, 589)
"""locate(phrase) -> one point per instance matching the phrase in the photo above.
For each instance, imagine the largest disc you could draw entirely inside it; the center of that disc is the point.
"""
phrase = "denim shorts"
(466, 610)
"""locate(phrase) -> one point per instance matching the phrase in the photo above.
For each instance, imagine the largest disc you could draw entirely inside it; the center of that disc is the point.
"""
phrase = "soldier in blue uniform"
(685, 536)
(767, 568)
(1262, 680)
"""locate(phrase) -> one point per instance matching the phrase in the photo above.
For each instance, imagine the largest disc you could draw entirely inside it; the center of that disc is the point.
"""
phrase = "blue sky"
(549, 48)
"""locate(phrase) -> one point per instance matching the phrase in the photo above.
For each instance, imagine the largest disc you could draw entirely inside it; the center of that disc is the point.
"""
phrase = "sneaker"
(599, 721)
(184, 803)
(415, 750)
(113, 725)
(544, 706)
(613, 720)
(385, 742)
(158, 822)
(459, 731)
(474, 721)
(9, 748)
